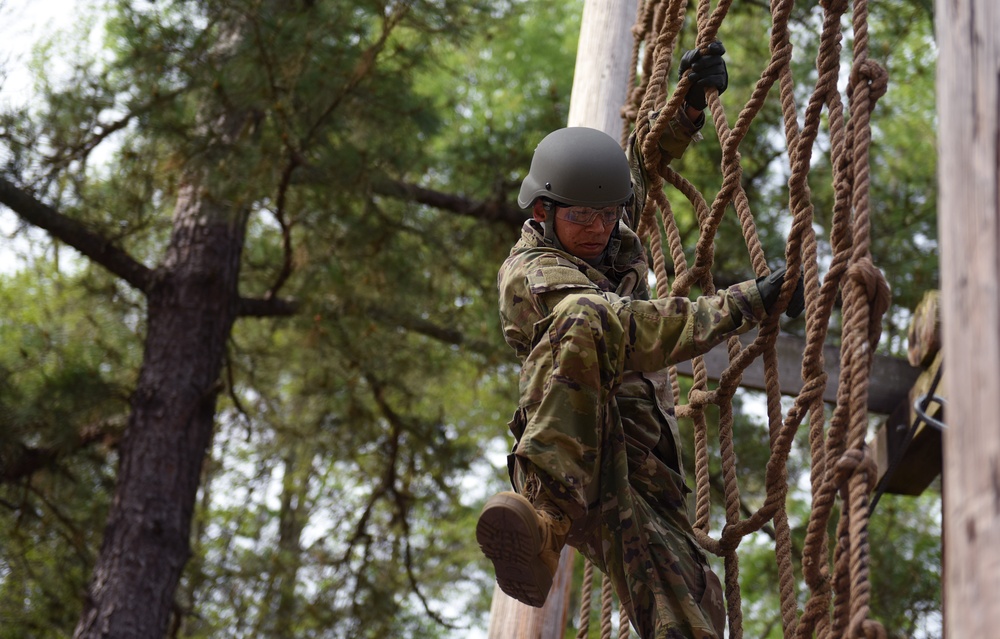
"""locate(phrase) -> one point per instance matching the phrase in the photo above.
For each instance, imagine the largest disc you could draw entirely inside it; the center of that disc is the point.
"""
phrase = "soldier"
(597, 457)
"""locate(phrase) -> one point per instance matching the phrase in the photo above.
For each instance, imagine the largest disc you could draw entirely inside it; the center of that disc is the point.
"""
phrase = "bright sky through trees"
(22, 25)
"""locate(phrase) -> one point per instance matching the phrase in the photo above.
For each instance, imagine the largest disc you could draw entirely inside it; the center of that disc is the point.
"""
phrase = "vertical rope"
(837, 603)
(586, 593)
(624, 628)
(606, 601)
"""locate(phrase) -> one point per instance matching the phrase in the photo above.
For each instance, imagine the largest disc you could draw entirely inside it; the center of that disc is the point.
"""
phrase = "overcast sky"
(22, 24)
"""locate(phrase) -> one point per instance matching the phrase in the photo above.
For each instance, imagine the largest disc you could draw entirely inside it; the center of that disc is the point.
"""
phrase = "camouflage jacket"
(536, 276)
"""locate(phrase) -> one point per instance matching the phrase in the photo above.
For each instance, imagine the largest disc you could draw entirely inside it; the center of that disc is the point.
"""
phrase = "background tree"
(217, 106)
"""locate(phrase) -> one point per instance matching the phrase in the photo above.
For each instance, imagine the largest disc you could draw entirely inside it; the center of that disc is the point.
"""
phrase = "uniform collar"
(533, 232)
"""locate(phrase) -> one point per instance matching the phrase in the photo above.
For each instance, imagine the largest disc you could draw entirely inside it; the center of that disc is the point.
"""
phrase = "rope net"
(842, 468)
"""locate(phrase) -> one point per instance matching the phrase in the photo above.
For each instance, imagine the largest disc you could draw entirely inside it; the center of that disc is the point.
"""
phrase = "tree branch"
(286, 229)
(443, 334)
(28, 460)
(74, 233)
(274, 307)
(363, 67)
(485, 211)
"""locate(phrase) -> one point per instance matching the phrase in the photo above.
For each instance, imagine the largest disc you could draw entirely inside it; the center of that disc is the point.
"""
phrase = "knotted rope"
(838, 591)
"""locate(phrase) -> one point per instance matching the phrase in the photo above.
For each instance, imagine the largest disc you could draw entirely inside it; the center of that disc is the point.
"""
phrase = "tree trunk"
(280, 599)
(191, 310)
(968, 92)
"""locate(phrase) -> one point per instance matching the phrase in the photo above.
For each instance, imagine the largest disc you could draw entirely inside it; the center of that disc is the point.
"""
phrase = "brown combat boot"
(523, 539)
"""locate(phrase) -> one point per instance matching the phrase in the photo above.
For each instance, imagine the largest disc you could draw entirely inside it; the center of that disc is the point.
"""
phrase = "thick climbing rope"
(837, 604)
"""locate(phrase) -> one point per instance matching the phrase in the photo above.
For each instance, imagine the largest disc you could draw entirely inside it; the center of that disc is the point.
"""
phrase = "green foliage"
(904, 168)
(500, 96)
(62, 408)
(905, 536)
(390, 373)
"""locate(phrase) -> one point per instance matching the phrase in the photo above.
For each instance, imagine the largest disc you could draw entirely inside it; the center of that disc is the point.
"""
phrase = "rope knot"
(869, 629)
(871, 73)
(729, 539)
(847, 463)
(864, 273)
(852, 462)
(833, 6)
(698, 398)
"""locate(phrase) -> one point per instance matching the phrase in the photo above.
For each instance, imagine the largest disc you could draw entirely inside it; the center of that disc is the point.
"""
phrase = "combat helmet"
(577, 166)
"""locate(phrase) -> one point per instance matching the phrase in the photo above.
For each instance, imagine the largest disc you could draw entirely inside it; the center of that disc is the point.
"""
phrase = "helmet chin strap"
(550, 225)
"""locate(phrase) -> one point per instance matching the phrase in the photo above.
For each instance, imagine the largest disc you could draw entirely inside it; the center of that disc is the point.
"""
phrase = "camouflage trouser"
(581, 432)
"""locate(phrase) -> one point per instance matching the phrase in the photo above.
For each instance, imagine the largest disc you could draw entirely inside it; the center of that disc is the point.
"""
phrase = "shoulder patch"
(554, 273)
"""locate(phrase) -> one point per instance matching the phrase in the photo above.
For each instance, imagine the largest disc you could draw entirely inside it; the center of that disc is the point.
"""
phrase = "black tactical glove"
(706, 70)
(770, 288)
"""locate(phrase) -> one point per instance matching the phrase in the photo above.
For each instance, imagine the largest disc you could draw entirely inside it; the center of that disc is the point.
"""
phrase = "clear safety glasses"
(586, 216)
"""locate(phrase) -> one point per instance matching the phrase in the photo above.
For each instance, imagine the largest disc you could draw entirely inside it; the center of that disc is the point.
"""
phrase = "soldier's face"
(586, 241)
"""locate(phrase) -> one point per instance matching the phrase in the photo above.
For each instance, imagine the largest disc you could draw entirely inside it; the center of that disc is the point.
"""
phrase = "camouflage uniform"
(596, 424)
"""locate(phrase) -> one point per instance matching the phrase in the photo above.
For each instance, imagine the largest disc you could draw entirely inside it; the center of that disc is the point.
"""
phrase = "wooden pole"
(968, 98)
(603, 55)
(600, 87)
(511, 619)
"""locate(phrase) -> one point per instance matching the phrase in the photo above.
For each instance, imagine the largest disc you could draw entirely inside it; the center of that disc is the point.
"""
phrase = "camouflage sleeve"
(678, 135)
(657, 332)
(674, 329)
(530, 285)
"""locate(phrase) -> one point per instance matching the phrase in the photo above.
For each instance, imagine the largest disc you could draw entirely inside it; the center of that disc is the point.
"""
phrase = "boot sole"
(508, 535)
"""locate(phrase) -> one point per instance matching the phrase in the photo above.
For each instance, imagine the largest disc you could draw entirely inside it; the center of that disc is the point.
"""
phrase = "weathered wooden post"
(968, 98)
(603, 55)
